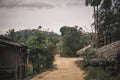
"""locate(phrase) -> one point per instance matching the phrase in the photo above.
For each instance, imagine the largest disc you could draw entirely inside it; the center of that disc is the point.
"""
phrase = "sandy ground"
(66, 69)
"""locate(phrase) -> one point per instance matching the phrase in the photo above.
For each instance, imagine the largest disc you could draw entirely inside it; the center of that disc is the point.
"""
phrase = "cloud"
(40, 3)
(9, 3)
(75, 3)
(36, 5)
(20, 3)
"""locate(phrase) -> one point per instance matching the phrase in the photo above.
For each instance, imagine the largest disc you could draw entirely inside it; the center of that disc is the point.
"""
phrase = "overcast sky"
(52, 14)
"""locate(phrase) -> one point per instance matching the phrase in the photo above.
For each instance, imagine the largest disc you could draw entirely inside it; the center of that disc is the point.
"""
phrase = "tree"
(72, 40)
(11, 34)
(41, 52)
(106, 20)
(95, 4)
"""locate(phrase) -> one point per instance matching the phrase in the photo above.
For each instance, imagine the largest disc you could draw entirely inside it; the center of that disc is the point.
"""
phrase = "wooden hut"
(13, 60)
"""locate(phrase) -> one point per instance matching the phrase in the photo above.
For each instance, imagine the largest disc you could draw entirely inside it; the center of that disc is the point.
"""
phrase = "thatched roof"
(109, 52)
(82, 51)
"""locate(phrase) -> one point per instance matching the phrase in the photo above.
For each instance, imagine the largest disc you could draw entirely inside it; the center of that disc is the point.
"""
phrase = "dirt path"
(66, 70)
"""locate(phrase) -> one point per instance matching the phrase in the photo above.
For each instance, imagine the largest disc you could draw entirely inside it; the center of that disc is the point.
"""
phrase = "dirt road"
(66, 70)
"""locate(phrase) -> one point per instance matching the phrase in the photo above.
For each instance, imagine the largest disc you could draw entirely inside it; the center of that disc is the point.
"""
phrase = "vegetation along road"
(66, 69)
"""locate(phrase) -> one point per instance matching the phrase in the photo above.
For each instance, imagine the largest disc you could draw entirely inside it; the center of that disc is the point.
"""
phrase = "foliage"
(106, 20)
(72, 39)
(98, 73)
(107, 28)
(91, 53)
(93, 2)
(41, 52)
(11, 33)
(53, 40)
(20, 36)
(42, 47)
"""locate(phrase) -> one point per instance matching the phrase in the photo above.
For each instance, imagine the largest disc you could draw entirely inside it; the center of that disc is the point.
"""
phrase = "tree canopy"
(106, 21)
(72, 39)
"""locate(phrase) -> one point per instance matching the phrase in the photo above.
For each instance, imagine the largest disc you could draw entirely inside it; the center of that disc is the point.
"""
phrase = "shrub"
(72, 40)
(91, 53)
(41, 53)
(93, 73)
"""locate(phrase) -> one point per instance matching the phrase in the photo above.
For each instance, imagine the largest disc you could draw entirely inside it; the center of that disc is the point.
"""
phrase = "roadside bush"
(29, 70)
(92, 73)
(67, 53)
(101, 74)
(41, 53)
(90, 53)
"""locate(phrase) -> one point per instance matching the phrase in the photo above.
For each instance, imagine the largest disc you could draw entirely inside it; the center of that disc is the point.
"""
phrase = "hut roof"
(109, 52)
(81, 51)
(6, 38)
(6, 41)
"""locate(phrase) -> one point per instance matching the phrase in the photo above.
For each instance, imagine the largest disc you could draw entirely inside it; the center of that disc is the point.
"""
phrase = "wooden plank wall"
(10, 57)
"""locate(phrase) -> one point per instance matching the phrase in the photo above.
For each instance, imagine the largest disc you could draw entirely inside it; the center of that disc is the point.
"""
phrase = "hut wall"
(10, 57)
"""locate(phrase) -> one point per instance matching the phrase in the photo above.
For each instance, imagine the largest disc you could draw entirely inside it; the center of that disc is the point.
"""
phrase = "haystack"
(109, 52)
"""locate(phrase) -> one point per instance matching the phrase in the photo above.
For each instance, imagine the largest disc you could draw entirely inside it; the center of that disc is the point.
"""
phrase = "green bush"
(41, 53)
(29, 70)
(67, 53)
(101, 74)
(93, 73)
(91, 53)
(98, 73)
(72, 40)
